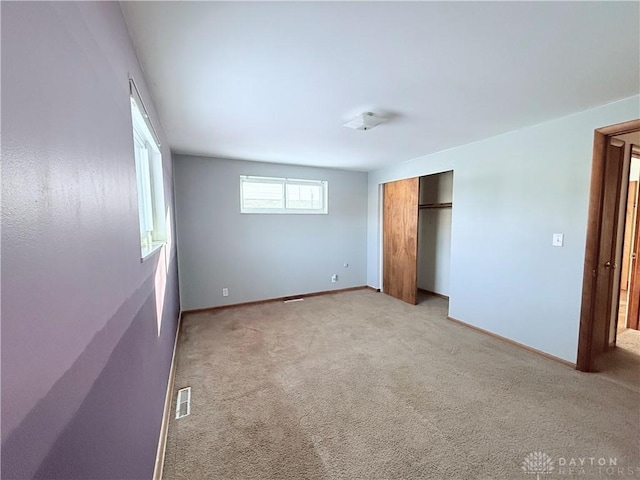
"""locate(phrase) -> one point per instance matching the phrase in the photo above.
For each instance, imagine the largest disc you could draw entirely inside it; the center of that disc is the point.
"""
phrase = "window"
(149, 178)
(282, 195)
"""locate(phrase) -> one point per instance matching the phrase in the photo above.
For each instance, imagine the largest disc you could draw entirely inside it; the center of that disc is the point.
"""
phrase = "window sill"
(282, 212)
(149, 251)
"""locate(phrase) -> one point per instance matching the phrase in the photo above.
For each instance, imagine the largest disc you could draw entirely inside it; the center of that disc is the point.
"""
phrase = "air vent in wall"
(183, 405)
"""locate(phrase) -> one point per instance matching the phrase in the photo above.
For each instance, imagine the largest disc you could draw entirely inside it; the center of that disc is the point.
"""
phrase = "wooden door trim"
(594, 225)
(633, 304)
(620, 128)
(628, 232)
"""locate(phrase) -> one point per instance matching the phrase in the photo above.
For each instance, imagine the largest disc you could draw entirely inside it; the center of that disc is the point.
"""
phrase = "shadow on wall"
(162, 272)
(427, 249)
(114, 432)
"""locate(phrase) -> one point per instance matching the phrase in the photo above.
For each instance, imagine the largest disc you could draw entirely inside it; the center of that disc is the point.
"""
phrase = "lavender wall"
(84, 359)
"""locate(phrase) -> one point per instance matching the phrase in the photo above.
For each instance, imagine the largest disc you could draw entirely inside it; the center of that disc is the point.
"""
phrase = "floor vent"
(183, 406)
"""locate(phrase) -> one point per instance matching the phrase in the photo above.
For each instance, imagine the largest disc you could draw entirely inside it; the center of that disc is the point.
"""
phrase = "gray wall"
(87, 329)
(511, 193)
(259, 256)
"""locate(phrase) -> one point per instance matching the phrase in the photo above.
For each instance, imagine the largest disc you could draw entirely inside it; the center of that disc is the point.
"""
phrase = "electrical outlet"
(334, 278)
(225, 292)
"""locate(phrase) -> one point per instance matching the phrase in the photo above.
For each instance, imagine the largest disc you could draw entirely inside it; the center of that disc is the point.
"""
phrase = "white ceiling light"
(364, 121)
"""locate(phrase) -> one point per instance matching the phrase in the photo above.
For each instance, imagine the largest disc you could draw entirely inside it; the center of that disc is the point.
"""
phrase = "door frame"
(594, 227)
(633, 307)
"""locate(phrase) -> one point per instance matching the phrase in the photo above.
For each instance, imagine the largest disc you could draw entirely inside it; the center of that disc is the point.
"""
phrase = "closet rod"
(436, 205)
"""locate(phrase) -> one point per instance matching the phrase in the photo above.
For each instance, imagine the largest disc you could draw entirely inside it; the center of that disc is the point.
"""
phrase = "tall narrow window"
(149, 179)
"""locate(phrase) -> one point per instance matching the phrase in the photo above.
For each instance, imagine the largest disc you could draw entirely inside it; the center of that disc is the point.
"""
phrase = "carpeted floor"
(358, 385)
(622, 363)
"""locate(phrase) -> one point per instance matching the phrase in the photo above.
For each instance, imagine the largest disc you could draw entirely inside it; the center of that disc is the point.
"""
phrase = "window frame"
(149, 180)
(285, 210)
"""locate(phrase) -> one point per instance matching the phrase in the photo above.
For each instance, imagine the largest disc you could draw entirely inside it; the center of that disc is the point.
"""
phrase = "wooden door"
(400, 239)
(605, 270)
(591, 284)
(633, 312)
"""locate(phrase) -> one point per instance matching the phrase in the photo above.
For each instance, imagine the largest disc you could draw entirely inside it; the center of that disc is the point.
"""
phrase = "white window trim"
(284, 182)
(148, 251)
(151, 170)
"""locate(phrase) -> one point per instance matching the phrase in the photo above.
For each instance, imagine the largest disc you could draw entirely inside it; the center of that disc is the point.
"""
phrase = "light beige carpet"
(359, 385)
(622, 363)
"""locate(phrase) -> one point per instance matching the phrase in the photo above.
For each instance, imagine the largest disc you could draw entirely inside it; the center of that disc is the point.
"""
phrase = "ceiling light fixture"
(364, 121)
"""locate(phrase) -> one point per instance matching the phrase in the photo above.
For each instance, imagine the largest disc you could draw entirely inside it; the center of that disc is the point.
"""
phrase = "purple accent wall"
(84, 359)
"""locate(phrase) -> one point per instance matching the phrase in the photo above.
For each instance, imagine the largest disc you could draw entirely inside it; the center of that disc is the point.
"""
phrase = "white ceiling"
(275, 81)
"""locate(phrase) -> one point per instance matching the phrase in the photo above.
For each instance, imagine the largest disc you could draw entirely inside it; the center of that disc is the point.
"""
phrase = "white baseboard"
(164, 428)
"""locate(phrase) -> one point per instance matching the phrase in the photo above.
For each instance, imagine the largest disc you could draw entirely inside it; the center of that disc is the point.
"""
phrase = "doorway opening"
(630, 222)
(611, 275)
(434, 235)
(621, 360)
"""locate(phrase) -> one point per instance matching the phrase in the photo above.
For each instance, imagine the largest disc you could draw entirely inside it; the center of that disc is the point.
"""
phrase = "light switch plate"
(558, 239)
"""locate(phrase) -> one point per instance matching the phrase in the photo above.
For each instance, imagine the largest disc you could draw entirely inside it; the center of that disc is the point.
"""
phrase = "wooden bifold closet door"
(400, 239)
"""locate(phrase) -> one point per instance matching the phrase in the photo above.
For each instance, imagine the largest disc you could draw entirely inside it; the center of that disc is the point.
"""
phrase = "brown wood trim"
(627, 232)
(633, 305)
(620, 128)
(433, 294)
(377, 290)
(277, 299)
(514, 343)
(166, 413)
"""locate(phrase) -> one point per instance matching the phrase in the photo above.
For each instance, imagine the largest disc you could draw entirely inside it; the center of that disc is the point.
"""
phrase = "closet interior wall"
(434, 232)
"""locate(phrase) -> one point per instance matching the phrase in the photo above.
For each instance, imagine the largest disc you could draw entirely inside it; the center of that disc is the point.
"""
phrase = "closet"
(434, 233)
(417, 236)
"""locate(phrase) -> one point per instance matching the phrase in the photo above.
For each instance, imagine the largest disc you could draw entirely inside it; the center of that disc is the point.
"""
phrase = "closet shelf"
(435, 205)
